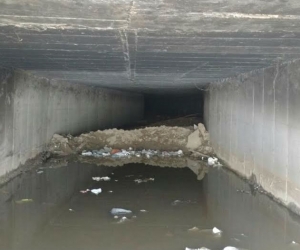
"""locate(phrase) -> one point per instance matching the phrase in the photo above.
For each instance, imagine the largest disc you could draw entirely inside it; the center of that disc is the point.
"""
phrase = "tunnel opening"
(149, 125)
(175, 109)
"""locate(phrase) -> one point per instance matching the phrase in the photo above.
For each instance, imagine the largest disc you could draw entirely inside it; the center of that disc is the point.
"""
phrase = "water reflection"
(55, 215)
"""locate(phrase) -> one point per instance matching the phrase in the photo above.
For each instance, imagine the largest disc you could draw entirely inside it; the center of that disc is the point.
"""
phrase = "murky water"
(46, 211)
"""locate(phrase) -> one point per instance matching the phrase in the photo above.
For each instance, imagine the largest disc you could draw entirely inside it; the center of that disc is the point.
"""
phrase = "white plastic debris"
(71, 210)
(202, 248)
(179, 202)
(116, 217)
(96, 191)
(138, 181)
(230, 248)
(84, 191)
(194, 229)
(123, 219)
(213, 161)
(110, 191)
(86, 153)
(294, 243)
(195, 127)
(143, 211)
(216, 231)
(40, 172)
(106, 152)
(120, 211)
(105, 178)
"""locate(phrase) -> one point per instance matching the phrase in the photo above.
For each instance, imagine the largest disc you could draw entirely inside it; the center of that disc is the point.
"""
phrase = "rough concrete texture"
(157, 138)
(149, 46)
(254, 126)
(33, 109)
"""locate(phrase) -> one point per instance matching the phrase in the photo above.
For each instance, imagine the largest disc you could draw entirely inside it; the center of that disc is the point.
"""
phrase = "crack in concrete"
(129, 16)
(126, 55)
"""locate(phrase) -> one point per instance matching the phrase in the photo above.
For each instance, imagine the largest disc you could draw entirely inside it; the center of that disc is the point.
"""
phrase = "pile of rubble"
(151, 141)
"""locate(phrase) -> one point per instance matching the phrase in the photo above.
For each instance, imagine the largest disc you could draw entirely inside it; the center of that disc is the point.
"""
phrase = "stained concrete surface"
(33, 109)
(254, 127)
(150, 47)
(220, 199)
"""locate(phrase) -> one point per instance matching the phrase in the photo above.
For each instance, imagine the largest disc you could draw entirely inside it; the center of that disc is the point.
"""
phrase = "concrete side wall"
(33, 109)
(254, 124)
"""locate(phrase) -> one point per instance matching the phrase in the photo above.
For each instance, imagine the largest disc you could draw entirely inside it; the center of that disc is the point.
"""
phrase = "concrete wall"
(254, 124)
(33, 109)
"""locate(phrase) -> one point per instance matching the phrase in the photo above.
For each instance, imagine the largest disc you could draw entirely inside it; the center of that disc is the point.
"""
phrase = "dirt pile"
(159, 138)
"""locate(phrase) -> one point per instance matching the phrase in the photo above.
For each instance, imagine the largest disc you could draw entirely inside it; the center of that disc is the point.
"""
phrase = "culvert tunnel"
(69, 67)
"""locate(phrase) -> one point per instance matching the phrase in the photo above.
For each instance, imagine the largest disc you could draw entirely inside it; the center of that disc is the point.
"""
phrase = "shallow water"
(56, 216)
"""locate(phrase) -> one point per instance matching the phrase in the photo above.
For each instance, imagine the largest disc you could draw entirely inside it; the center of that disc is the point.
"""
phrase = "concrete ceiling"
(154, 46)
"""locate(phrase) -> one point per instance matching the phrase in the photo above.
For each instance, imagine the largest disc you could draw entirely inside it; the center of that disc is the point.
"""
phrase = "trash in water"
(120, 211)
(84, 191)
(105, 178)
(71, 210)
(110, 191)
(116, 180)
(96, 191)
(24, 201)
(178, 202)
(202, 248)
(40, 172)
(138, 181)
(294, 243)
(116, 217)
(194, 229)
(230, 248)
(143, 211)
(123, 219)
(216, 231)
(121, 153)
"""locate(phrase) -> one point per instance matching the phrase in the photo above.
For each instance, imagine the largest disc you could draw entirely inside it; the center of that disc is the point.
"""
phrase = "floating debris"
(230, 248)
(123, 220)
(84, 191)
(105, 178)
(194, 229)
(96, 191)
(202, 248)
(120, 211)
(294, 243)
(216, 231)
(178, 202)
(121, 153)
(138, 181)
(143, 211)
(110, 191)
(40, 172)
(71, 210)
(24, 201)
